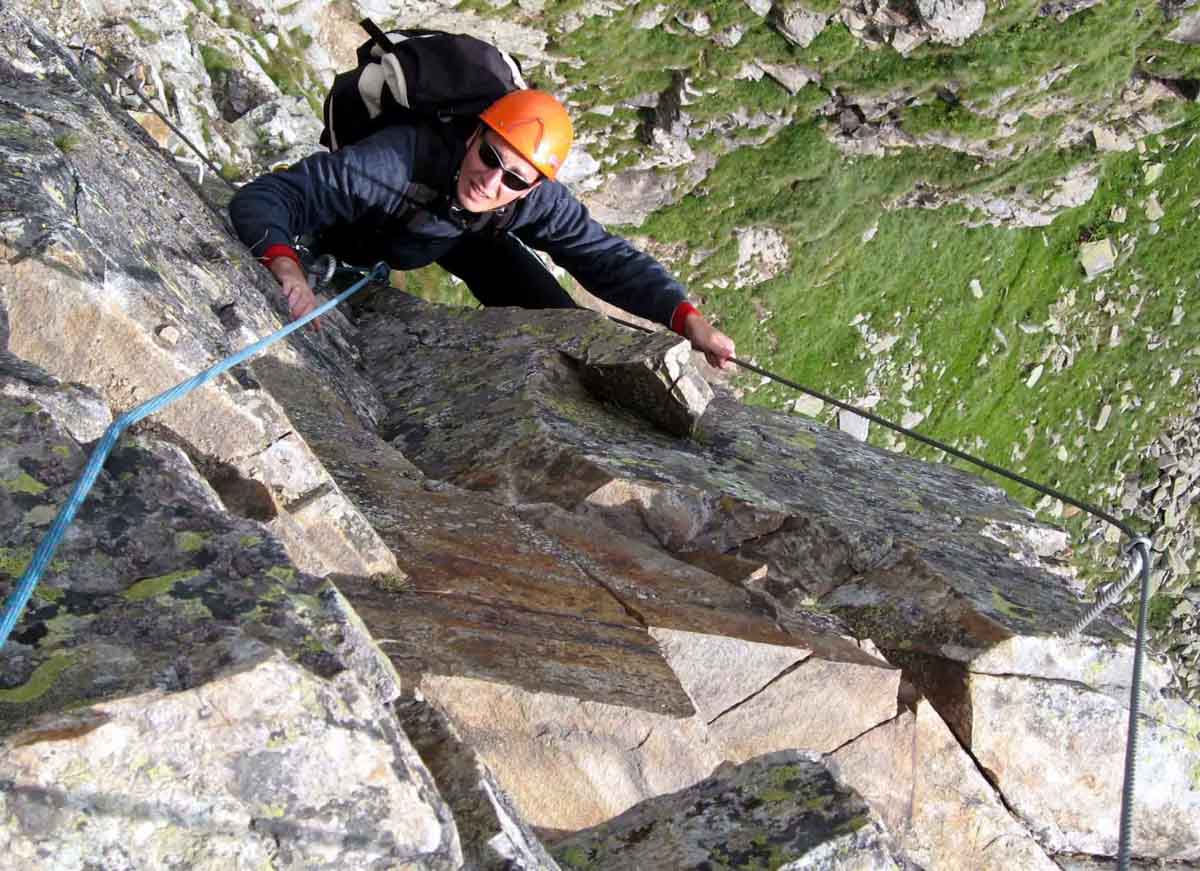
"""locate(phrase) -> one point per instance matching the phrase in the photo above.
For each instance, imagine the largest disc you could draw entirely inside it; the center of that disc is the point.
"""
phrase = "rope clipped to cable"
(45, 552)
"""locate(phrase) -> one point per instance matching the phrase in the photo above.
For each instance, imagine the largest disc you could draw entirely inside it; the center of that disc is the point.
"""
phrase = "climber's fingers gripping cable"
(296, 290)
(718, 348)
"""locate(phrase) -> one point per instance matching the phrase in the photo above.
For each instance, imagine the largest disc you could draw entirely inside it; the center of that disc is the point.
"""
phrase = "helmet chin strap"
(454, 204)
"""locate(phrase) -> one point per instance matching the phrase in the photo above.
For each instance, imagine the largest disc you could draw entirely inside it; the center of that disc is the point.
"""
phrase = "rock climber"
(424, 191)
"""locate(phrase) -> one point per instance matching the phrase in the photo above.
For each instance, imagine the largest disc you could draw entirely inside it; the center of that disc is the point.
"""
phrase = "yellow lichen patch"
(395, 583)
(61, 629)
(306, 602)
(41, 515)
(249, 540)
(24, 483)
(805, 440)
(272, 595)
(159, 773)
(61, 450)
(48, 594)
(1001, 604)
(774, 794)
(576, 857)
(39, 682)
(853, 824)
(14, 561)
(148, 588)
(189, 542)
(192, 609)
(780, 783)
(819, 803)
(281, 573)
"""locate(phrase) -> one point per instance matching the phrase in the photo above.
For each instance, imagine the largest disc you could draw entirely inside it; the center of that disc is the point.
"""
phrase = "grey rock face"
(1065, 749)
(278, 131)
(783, 810)
(654, 377)
(768, 487)
(933, 797)
(118, 278)
(173, 650)
(233, 772)
(1016, 209)
(139, 579)
(792, 77)
(631, 196)
(494, 837)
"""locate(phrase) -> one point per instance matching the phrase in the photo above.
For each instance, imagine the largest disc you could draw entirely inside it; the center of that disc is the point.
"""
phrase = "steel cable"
(216, 170)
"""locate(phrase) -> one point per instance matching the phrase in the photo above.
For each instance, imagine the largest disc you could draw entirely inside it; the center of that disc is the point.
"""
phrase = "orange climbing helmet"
(536, 125)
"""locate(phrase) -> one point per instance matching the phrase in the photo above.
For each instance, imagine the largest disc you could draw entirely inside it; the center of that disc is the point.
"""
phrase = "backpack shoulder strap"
(380, 38)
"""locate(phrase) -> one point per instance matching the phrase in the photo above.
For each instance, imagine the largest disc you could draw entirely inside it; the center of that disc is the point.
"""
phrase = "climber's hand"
(294, 284)
(716, 346)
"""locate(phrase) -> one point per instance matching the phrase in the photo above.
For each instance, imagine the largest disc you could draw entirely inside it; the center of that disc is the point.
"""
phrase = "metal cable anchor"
(1137, 551)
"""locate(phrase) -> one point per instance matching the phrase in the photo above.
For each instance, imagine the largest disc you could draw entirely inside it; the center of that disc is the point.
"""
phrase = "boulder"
(176, 693)
(799, 24)
(1187, 31)
(932, 797)
(952, 21)
(792, 77)
(631, 196)
(780, 810)
(653, 376)
(1108, 139)
(762, 254)
(1097, 257)
(1056, 752)
(232, 772)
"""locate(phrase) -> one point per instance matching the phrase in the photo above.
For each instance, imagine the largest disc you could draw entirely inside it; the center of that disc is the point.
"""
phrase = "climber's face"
(493, 174)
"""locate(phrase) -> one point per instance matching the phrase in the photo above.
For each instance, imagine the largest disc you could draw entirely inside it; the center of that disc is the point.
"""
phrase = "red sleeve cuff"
(279, 250)
(681, 314)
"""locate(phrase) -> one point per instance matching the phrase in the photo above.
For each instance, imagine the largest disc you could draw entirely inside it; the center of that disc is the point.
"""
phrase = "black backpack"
(426, 73)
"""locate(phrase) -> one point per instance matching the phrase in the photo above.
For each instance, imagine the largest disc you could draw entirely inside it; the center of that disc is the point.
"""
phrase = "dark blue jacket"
(391, 195)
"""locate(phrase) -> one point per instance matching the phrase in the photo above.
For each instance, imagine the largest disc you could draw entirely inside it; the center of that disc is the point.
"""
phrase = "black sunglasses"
(492, 160)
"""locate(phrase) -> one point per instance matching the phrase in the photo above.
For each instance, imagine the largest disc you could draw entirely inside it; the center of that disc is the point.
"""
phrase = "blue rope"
(37, 565)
